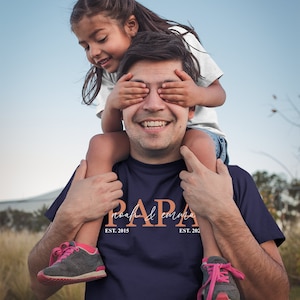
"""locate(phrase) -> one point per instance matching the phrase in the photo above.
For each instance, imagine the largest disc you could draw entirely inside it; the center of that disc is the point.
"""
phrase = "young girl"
(104, 29)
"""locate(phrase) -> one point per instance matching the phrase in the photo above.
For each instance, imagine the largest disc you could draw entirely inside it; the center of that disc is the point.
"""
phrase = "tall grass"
(14, 276)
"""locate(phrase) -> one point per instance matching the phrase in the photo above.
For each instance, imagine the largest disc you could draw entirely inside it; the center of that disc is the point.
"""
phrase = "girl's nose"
(94, 52)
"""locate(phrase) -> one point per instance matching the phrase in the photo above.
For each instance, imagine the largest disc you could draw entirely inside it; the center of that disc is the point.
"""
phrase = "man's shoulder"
(239, 174)
(243, 183)
(235, 169)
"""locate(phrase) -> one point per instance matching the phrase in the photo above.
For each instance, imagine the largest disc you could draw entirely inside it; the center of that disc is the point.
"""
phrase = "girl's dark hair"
(119, 10)
(157, 46)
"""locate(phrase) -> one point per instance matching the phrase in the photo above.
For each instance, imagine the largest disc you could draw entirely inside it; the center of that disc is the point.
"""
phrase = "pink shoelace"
(62, 252)
(218, 273)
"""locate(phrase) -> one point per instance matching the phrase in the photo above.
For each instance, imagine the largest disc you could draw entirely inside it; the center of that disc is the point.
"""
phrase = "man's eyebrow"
(169, 80)
(138, 80)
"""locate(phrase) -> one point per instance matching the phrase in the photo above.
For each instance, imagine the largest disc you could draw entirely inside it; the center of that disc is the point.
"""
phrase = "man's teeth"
(149, 124)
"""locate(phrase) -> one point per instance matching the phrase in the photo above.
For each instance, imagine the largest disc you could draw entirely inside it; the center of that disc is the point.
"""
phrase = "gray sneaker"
(70, 263)
(218, 283)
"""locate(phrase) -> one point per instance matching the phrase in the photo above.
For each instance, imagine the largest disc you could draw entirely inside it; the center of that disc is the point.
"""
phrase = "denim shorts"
(220, 145)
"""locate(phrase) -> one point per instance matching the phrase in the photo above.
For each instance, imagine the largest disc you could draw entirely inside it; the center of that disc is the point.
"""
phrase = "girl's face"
(104, 40)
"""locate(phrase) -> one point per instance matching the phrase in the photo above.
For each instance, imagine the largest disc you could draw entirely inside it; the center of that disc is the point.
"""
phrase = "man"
(150, 241)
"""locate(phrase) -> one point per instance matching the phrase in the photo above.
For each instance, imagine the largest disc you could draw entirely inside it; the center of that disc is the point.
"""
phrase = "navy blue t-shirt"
(151, 244)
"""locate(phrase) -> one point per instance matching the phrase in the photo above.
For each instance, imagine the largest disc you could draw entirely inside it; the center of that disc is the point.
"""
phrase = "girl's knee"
(198, 139)
(112, 146)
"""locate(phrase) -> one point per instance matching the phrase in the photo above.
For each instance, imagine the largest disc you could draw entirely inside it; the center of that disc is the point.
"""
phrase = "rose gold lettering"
(112, 215)
(161, 213)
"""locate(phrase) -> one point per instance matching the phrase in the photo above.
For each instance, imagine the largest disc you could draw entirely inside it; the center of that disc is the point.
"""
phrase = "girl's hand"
(126, 93)
(184, 93)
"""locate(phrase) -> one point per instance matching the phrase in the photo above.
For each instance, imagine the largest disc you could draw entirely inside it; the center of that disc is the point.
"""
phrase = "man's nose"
(153, 101)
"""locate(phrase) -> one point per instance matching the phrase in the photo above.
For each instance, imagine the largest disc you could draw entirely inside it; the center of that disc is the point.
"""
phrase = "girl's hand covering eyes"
(126, 92)
(183, 93)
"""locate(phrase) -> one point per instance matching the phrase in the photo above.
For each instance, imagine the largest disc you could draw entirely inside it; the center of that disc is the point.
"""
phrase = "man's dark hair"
(158, 46)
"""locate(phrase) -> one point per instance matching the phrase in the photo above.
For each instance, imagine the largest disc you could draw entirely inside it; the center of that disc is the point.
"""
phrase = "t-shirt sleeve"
(108, 83)
(101, 99)
(51, 212)
(209, 70)
(254, 211)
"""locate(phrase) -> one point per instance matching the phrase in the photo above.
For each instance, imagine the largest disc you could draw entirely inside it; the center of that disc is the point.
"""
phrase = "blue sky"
(45, 129)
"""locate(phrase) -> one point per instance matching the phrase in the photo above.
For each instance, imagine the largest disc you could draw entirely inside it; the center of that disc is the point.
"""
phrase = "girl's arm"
(111, 119)
(212, 96)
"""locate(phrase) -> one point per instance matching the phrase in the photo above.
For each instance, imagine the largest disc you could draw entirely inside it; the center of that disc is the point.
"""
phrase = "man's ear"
(191, 112)
(132, 26)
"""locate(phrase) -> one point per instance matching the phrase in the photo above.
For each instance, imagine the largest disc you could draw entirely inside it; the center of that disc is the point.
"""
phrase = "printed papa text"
(156, 213)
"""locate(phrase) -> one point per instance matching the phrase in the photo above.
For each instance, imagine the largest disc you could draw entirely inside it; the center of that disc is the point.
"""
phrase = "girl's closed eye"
(102, 40)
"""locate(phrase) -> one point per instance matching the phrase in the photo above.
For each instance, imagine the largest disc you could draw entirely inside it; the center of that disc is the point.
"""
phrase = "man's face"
(155, 127)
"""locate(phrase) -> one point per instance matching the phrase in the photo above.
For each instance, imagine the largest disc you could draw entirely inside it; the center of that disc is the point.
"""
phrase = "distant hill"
(30, 204)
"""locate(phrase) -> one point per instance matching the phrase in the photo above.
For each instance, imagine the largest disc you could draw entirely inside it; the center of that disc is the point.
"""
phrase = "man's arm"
(87, 200)
(265, 275)
(210, 195)
(39, 256)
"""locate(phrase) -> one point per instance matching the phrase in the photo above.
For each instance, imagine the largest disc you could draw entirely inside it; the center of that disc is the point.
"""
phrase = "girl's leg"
(204, 148)
(81, 261)
(104, 151)
(218, 282)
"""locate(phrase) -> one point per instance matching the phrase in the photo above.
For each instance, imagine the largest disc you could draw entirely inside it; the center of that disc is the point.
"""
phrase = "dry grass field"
(14, 277)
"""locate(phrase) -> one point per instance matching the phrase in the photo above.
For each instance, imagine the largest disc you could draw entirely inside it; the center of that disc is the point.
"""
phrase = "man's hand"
(91, 198)
(205, 191)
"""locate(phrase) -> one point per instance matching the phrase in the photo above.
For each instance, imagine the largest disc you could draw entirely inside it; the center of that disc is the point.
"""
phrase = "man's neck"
(157, 157)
